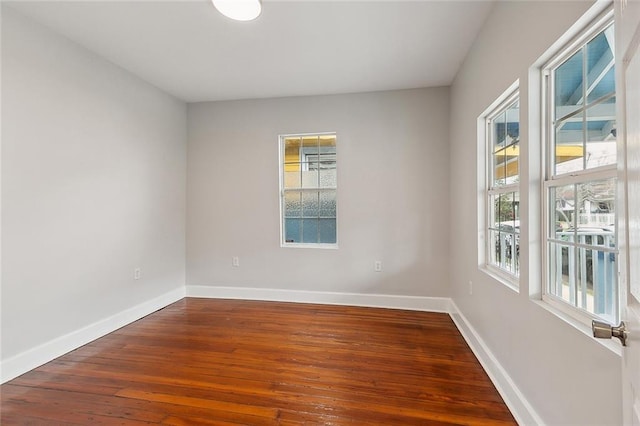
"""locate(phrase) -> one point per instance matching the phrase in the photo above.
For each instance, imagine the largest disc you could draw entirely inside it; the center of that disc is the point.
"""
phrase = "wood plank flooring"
(228, 362)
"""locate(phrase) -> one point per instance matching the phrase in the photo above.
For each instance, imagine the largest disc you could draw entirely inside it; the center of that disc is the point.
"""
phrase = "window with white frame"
(503, 188)
(308, 189)
(580, 176)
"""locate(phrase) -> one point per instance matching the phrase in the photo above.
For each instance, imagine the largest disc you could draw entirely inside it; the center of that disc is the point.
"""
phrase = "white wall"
(93, 185)
(392, 194)
(568, 378)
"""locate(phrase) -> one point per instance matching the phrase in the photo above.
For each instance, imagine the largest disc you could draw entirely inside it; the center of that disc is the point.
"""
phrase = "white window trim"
(281, 190)
(509, 96)
(549, 179)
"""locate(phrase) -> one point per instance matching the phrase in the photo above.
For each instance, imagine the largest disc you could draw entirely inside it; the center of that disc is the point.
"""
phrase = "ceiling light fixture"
(240, 10)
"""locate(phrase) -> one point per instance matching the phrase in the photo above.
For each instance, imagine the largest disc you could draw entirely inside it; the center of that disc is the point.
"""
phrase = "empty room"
(320, 212)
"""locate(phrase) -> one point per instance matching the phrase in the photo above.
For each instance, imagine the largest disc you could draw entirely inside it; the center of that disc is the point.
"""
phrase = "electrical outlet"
(137, 274)
(377, 266)
(235, 261)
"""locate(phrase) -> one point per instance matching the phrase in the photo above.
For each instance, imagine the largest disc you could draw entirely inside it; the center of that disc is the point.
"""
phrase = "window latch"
(602, 330)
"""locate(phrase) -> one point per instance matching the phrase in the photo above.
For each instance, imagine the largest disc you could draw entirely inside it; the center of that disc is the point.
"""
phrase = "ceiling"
(294, 48)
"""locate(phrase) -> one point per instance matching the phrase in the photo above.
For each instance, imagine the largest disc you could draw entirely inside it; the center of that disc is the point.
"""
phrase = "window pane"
(583, 271)
(605, 285)
(505, 135)
(499, 167)
(328, 175)
(500, 130)
(496, 248)
(309, 158)
(562, 279)
(597, 208)
(292, 230)
(568, 79)
(309, 146)
(327, 231)
(507, 251)
(328, 140)
(309, 230)
(569, 145)
(503, 250)
(496, 211)
(512, 151)
(310, 204)
(505, 232)
(292, 150)
(597, 287)
(584, 288)
(512, 171)
(605, 86)
(327, 161)
(513, 123)
(493, 216)
(292, 178)
(600, 66)
(328, 204)
(292, 167)
(292, 204)
(601, 134)
(309, 177)
(562, 202)
(506, 208)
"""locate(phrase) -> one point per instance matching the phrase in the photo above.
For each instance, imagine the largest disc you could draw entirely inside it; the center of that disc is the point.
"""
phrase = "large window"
(308, 190)
(580, 176)
(503, 181)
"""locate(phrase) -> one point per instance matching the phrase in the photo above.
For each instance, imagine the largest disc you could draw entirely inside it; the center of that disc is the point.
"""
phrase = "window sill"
(310, 246)
(509, 281)
(575, 320)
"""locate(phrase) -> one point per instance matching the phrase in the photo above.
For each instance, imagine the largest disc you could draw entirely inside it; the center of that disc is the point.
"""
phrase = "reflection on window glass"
(309, 189)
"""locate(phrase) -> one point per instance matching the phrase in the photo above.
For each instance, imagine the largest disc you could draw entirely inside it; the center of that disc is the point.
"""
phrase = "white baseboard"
(415, 303)
(35, 357)
(520, 407)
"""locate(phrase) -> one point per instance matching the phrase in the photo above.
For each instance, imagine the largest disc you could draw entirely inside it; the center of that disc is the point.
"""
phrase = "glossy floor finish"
(226, 362)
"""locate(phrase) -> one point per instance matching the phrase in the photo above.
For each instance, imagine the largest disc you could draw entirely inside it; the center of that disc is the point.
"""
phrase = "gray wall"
(93, 185)
(567, 376)
(392, 193)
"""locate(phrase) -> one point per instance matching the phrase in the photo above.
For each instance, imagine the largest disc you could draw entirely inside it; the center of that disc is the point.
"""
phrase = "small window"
(580, 176)
(503, 188)
(308, 190)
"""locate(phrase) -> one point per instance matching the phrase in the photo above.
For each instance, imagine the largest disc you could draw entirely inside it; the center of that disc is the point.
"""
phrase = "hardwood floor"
(227, 362)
